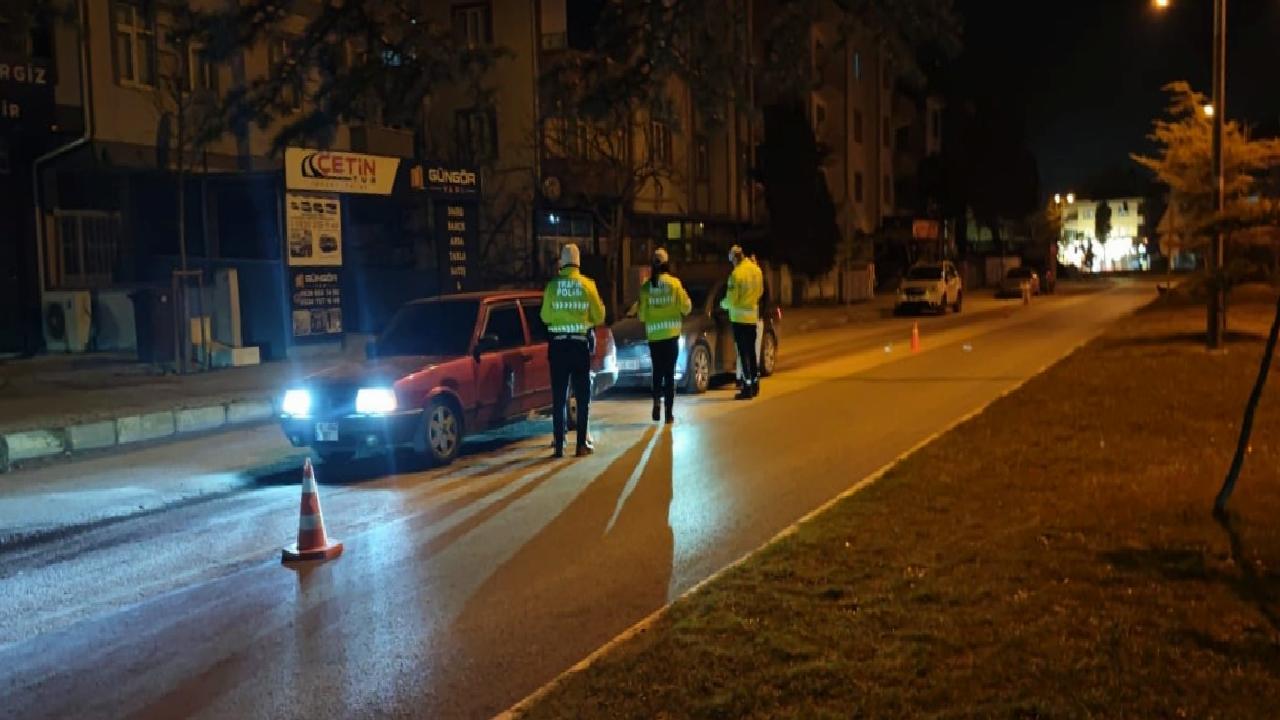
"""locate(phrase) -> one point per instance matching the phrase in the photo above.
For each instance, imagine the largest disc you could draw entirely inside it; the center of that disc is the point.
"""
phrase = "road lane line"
(633, 480)
(518, 709)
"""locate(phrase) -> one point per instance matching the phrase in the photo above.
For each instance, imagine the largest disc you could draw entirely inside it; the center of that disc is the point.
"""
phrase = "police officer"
(662, 307)
(742, 300)
(571, 309)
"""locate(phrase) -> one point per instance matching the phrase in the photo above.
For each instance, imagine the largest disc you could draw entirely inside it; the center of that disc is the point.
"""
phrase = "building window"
(201, 73)
(659, 143)
(819, 118)
(283, 64)
(478, 133)
(134, 31)
(701, 158)
(857, 187)
(888, 190)
(857, 65)
(887, 133)
(473, 25)
(857, 126)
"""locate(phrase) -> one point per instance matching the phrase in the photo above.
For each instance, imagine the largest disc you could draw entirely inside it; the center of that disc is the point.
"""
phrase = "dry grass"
(1071, 568)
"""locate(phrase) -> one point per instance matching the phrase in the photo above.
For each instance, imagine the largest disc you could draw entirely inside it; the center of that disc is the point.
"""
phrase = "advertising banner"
(313, 223)
(316, 302)
(342, 172)
(456, 238)
(26, 94)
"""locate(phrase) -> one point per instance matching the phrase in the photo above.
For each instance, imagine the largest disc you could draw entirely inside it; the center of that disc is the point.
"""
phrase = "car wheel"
(443, 432)
(959, 301)
(698, 372)
(336, 457)
(768, 354)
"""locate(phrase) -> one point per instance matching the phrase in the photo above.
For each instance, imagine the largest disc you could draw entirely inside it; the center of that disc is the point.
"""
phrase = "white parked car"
(932, 286)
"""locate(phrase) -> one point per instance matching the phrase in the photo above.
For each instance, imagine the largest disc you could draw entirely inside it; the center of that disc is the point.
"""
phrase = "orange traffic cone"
(915, 336)
(312, 543)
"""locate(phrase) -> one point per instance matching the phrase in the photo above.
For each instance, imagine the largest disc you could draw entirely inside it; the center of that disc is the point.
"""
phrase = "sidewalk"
(61, 404)
(1054, 556)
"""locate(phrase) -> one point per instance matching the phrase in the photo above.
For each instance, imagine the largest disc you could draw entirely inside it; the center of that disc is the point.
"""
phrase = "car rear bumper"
(355, 432)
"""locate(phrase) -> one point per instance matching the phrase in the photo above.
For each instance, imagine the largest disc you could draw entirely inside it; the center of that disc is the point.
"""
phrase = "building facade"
(1126, 247)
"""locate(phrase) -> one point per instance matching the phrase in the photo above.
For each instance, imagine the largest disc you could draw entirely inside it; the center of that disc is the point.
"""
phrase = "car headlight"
(375, 401)
(296, 403)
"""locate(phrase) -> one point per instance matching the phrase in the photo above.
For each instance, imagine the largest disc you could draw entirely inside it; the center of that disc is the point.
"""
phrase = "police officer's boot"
(657, 409)
(671, 418)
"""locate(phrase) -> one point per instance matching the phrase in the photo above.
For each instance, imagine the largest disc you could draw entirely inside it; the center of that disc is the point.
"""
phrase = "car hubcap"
(444, 430)
(701, 368)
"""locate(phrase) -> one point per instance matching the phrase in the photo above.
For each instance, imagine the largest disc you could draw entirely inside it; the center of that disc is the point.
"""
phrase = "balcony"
(381, 140)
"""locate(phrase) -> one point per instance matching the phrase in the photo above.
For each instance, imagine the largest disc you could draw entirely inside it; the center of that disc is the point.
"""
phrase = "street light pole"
(1217, 308)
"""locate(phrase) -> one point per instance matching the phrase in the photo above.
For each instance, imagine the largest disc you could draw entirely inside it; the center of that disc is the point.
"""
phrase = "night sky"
(1088, 73)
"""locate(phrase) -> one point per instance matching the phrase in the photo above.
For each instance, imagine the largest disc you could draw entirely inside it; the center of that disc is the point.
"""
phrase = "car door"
(537, 366)
(726, 359)
(500, 371)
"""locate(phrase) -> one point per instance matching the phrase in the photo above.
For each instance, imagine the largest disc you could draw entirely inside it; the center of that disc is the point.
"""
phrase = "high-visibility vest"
(742, 296)
(571, 305)
(662, 308)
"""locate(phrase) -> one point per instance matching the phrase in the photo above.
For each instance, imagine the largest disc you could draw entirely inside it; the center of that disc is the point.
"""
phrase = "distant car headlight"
(296, 403)
(375, 401)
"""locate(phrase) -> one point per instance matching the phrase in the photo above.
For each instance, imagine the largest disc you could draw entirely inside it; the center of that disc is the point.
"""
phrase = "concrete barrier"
(140, 428)
(29, 445)
(16, 447)
(197, 419)
(91, 436)
(249, 411)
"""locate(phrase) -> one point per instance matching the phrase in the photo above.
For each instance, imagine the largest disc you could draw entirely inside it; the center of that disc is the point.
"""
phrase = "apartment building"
(1126, 247)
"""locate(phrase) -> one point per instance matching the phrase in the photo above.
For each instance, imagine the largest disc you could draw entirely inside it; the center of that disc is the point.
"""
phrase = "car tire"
(698, 370)
(768, 354)
(441, 431)
(959, 301)
(336, 457)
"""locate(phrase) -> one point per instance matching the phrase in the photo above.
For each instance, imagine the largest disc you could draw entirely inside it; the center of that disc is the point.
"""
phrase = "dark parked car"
(443, 368)
(706, 343)
(1011, 285)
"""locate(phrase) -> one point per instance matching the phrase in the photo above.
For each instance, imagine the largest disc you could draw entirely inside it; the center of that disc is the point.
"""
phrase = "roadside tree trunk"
(1246, 426)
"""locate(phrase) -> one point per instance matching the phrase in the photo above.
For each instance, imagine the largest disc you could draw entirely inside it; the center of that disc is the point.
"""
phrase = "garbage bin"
(153, 313)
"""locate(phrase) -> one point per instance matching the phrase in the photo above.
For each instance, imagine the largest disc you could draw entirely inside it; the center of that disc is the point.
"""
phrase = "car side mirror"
(485, 344)
(371, 349)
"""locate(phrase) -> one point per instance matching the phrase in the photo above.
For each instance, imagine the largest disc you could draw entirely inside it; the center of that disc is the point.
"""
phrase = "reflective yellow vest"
(571, 305)
(663, 308)
(742, 296)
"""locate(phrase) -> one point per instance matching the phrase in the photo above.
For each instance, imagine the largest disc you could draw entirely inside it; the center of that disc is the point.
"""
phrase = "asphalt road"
(463, 589)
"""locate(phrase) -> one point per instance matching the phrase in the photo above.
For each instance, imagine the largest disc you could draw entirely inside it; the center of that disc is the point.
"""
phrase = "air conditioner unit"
(68, 317)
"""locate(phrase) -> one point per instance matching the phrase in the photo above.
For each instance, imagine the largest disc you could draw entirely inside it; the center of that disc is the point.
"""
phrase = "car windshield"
(925, 272)
(1019, 273)
(430, 328)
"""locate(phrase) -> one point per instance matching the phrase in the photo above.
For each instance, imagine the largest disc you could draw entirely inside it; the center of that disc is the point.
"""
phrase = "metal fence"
(84, 249)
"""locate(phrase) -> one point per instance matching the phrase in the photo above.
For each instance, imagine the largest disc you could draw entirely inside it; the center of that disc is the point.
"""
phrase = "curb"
(69, 440)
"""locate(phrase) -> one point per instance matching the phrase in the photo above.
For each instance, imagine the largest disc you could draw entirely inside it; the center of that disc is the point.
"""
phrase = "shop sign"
(343, 172)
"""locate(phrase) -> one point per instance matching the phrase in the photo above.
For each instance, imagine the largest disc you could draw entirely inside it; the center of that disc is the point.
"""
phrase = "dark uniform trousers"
(664, 353)
(570, 357)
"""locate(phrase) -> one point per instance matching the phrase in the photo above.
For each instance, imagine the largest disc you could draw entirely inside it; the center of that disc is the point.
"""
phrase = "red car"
(443, 368)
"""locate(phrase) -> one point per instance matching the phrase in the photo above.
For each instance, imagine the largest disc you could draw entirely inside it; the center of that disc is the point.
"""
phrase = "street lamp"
(1216, 320)
(1071, 198)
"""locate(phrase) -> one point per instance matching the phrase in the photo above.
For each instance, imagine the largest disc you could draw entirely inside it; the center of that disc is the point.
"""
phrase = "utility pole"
(1217, 310)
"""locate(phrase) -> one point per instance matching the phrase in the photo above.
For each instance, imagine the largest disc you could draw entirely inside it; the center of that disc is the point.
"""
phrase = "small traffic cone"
(915, 336)
(312, 543)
